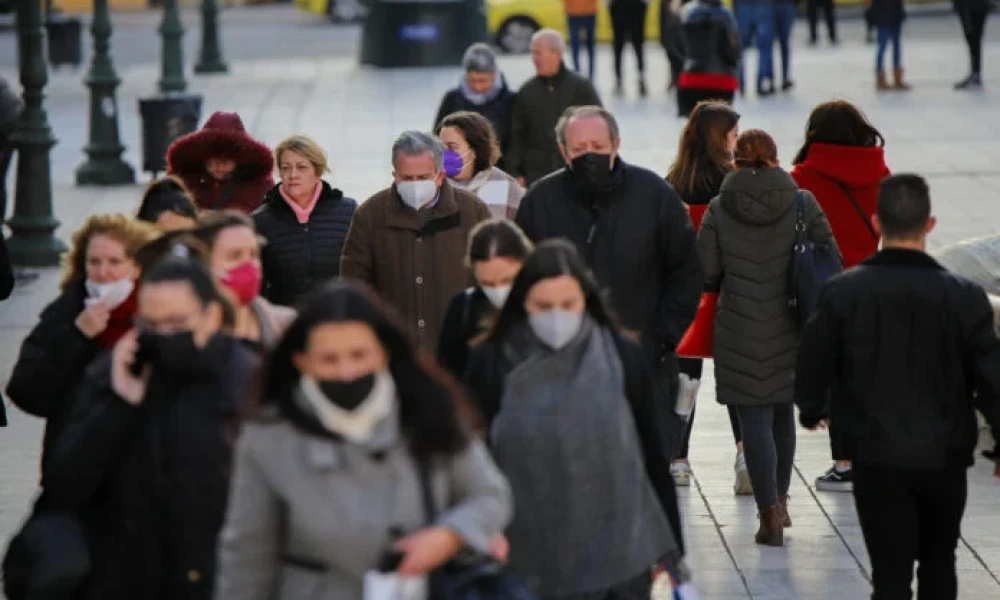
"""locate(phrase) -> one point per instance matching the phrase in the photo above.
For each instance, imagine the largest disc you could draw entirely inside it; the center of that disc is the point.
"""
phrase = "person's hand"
(521, 182)
(427, 550)
(500, 548)
(822, 424)
(94, 319)
(131, 388)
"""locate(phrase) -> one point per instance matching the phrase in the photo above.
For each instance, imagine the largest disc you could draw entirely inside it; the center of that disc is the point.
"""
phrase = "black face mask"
(592, 172)
(348, 395)
(170, 351)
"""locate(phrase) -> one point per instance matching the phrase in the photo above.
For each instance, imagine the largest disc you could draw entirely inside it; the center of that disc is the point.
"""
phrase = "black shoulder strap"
(857, 207)
(426, 493)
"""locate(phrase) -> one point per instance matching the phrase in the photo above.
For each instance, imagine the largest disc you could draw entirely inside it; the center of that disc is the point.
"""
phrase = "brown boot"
(786, 518)
(899, 83)
(882, 84)
(771, 532)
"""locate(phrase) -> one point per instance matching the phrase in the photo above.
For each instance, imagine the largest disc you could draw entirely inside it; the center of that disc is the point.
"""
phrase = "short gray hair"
(415, 143)
(551, 37)
(479, 58)
(584, 112)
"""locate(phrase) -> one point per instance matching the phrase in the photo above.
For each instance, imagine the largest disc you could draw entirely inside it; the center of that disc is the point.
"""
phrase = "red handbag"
(700, 336)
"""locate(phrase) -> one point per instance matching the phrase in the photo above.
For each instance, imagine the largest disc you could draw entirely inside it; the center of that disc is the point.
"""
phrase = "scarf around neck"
(486, 97)
(358, 425)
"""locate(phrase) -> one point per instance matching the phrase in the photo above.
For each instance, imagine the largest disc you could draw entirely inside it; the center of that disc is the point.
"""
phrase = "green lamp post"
(211, 60)
(172, 32)
(104, 164)
(33, 243)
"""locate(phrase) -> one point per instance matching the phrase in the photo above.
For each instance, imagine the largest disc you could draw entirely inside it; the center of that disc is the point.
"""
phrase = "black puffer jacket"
(711, 38)
(52, 361)
(300, 257)
(151, 482)
(497, 110)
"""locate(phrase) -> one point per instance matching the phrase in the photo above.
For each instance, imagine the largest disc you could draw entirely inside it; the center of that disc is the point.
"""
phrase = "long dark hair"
(478, 133)
(166, 194)
(839, 122)
(551, 258)
(433, 410)
(183, 260)
(702, 152)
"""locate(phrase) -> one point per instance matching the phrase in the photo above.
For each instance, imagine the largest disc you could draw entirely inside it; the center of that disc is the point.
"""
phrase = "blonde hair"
(308, 148)
(130, 233)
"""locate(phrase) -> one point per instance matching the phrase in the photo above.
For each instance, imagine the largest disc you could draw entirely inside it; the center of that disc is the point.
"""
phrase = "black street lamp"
(33, 243)
(211, 60)
(104, 165)
(172, 63)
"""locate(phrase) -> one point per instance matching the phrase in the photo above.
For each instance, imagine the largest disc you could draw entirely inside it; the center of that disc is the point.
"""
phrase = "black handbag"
(468, 576)
(48, 558)
(813, 264)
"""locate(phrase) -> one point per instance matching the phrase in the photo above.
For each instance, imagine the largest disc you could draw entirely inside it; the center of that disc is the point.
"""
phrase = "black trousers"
(812, 12)
(911, 517)
(628, 21)
(838, 451)
(973, 26)
(6, 159)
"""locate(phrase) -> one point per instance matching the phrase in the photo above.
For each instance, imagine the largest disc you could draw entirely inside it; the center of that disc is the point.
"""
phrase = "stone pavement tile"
(807, 584)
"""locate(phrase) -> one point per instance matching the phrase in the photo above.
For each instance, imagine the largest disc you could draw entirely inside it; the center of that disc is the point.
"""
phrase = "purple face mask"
(453, 163)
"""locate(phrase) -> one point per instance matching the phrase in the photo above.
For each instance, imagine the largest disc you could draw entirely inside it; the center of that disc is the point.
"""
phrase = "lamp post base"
(208, 67)
(105, 171)
(33, 244)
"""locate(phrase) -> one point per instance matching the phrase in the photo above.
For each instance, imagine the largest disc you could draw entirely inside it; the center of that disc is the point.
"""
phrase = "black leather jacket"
(711, 38)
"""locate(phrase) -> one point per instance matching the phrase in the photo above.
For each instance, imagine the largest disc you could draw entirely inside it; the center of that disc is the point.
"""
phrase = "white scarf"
(353, 425)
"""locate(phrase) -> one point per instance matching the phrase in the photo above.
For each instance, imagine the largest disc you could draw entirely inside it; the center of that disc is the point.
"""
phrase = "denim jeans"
(769, 447)
(756, 23)
(587, 24)
(886, 34)
(784, 21)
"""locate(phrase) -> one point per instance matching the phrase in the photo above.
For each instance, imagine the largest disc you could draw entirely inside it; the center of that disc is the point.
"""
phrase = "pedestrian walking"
(329, 480)
(704, 158)
(496, 251)
(304, 221)
(672, 40)
(888, 17)
(534, 151)
(813, 9)
(785, 13)
(630, 227)
(628, 24)
(94, 309)
(408, 241)
(581, 21)
(712, 55)
(756, 22)
(234, 256)
(10, 110)
(483, 90)
(572, 406)
(471, 155)
(907, 416)
(221, 165)
(168, 205)
(842, 162)
(145, 458)
(972, 14)
(745, 244)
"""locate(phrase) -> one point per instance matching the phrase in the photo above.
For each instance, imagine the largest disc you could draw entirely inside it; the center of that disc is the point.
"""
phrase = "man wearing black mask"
(631, 227)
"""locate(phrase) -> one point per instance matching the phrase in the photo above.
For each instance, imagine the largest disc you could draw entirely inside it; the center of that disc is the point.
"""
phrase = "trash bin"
(165, 118)
(421, 33)
(65, 40)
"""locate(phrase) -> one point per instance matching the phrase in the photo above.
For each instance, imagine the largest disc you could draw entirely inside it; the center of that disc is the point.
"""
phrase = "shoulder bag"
(813, 264)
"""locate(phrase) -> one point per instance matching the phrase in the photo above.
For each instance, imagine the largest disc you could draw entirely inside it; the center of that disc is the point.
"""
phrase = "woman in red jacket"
(704, 158)
(842, 163)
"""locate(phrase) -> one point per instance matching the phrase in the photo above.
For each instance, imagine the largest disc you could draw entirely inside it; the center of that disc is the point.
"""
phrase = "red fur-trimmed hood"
(223, 135)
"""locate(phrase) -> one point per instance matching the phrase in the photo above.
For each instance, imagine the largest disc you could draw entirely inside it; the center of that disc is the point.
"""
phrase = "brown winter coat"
(223, 136)
(416, 268)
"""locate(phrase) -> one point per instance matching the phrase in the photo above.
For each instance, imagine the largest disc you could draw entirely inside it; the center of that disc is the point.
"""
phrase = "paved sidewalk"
(355, 113)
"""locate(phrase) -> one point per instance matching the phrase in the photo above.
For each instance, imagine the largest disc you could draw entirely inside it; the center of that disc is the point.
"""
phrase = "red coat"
(826, 168)
(223, 136)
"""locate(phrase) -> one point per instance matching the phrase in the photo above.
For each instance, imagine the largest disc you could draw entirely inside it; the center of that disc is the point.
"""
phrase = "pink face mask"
(244, 280)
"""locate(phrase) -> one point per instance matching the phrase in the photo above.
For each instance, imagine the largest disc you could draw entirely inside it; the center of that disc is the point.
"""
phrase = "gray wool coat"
(309, 516)
(745, 247)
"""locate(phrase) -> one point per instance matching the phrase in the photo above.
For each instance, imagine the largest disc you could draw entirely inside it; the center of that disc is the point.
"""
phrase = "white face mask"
(417, 194)
(112, 294)
(497, 295)
(555, 328)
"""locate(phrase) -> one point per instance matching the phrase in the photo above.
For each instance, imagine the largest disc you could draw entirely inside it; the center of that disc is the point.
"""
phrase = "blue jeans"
(784, 22)
(886, 34)
(756, 22)
(588, 24)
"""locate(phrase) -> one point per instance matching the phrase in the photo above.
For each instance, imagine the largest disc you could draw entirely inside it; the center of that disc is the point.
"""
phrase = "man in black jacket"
(629, 225)
(899, 346)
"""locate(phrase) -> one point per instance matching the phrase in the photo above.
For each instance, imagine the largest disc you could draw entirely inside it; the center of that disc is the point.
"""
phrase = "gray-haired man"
(408, 241)
(481, 89)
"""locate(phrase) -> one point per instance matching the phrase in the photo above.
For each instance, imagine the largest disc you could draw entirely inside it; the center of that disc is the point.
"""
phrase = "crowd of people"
(259, 390)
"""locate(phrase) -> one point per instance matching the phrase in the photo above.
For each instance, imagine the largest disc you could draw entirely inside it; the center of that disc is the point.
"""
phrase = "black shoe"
(972, 82)
(787, 85)
(836, 481)
(642, 88)
(813, 41)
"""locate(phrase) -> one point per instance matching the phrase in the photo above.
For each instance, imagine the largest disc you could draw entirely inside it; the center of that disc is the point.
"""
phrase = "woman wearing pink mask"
(234, 257)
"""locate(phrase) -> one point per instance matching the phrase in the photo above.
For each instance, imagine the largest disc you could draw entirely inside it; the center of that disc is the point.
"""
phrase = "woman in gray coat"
(745, 246)
(326, 489)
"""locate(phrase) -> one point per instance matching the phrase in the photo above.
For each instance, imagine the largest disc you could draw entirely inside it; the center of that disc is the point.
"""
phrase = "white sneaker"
(742, 487)
(681, 472)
